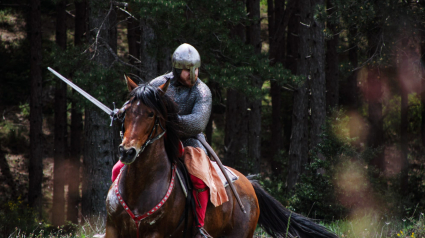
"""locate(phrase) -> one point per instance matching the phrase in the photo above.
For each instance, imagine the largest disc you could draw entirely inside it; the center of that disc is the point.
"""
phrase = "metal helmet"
(186, 57)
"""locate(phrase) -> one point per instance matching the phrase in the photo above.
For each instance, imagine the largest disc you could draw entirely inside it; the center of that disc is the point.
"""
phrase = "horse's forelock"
(151, 97)
(166, 109)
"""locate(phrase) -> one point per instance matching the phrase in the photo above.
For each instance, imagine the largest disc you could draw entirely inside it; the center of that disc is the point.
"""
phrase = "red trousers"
(201, 198)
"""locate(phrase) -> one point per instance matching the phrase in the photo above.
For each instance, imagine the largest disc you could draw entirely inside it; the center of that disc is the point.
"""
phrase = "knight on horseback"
(194, 100)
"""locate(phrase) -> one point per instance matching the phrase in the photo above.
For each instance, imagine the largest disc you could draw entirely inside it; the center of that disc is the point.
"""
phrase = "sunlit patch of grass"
(67, 231)
(379, 227)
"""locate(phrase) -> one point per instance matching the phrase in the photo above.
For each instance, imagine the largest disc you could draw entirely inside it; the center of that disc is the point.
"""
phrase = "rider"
(194, 100)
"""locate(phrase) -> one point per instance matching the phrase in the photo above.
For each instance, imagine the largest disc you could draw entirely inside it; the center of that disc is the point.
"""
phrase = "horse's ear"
(130, 83)
(164, 87)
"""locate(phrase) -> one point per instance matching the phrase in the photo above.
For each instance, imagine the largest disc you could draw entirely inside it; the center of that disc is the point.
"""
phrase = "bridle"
(120, 115)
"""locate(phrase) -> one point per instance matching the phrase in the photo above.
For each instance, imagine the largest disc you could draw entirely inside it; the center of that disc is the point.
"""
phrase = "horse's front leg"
(111, 231)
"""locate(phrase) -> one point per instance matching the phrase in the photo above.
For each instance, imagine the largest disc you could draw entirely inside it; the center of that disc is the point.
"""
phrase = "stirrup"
(203, 233)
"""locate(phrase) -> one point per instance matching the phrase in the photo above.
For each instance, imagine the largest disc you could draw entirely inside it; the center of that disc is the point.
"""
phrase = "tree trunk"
(36, 119)
(404, 76)
(318, 81)
(374, 95)
(423, 85)
(293, 39)
(80, 21)
(5, 171)
(298, 154)
(299, 137)
(254, 115)
(236, 131)
(60, 144)
(133, 34)
(332, 71)
(351, 91)
(276, 54)
(291, 62)
(147, 53)
(76, 125)
(99, 149)
(97, 163)
(74, 164)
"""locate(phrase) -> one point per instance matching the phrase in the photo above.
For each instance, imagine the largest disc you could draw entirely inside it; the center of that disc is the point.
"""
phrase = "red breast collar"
(138, 218)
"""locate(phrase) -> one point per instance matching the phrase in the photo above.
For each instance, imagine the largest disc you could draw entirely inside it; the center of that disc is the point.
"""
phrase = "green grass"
(372, 226)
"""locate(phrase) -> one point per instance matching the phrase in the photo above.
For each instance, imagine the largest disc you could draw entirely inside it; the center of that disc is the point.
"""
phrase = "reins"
(151, 140)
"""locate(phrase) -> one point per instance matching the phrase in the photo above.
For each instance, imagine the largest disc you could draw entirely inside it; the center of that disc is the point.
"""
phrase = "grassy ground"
(365, 227)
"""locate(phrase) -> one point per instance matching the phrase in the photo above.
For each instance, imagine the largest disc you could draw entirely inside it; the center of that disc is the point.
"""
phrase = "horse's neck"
(148, 175)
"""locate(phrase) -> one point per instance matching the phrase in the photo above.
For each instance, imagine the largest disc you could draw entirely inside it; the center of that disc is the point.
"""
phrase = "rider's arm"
(158, 81)
(196, 122)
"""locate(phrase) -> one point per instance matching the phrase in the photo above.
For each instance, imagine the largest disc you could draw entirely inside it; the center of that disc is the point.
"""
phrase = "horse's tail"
(275, 219)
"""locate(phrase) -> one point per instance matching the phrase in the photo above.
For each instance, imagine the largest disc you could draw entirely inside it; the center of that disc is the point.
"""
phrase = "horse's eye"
(151, 114)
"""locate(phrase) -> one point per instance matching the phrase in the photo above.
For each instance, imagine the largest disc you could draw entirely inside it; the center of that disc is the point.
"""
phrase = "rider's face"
(185, 77)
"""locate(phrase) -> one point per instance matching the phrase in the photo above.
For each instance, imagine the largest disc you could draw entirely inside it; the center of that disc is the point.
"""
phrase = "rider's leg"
(201, 195)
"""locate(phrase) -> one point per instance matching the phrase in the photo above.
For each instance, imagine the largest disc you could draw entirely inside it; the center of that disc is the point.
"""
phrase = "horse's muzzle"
(127, 156)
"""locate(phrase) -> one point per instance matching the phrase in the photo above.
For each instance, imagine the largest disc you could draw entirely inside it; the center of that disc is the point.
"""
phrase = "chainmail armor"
(194, 107)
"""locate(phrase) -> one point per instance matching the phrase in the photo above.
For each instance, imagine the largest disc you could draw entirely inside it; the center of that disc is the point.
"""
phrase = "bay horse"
(146, 200)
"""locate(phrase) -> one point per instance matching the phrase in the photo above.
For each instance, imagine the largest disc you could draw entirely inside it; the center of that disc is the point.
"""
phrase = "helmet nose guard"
(187, 57)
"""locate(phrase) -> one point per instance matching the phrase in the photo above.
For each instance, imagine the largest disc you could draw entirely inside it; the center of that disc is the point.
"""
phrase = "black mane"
(166, 109)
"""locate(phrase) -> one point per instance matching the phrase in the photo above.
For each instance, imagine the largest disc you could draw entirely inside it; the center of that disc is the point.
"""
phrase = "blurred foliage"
(345, 184)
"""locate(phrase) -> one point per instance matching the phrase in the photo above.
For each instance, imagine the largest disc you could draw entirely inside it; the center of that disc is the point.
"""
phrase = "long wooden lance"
(201, 138)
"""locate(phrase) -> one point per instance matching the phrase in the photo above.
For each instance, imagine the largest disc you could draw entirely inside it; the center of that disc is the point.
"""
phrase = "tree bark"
(5, 171)
(332, 71)
(80, 21)
(99, 137)
(298, 154)
(97, 163)
(36, 118)
(351, 91)
(310, 65)
(276, 54)
(423, 86)
(376, 131)
(236, 131)
(133, 34)
(254, 121)
(147, 54)
(404, 76)
(318, 82)
(291, 62)
(292, 56)
(374, 96)
(60, 144)
(76, 125)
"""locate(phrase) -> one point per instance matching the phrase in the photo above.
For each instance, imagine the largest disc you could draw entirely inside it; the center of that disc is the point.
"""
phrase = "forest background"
(323, 100)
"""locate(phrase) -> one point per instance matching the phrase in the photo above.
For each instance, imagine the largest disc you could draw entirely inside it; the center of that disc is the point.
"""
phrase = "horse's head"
(144, 118)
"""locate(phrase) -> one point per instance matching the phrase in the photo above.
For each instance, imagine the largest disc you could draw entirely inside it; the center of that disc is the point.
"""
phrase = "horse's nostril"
(121, 151)
(131, 152)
